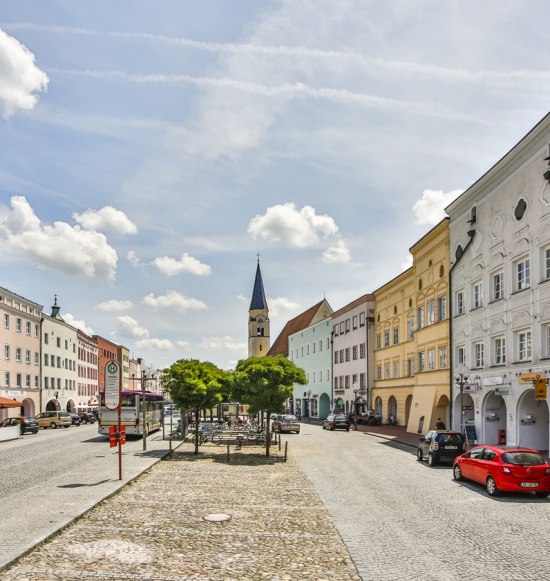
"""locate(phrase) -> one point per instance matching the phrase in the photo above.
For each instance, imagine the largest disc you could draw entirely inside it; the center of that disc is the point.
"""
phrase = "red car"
(504, 469)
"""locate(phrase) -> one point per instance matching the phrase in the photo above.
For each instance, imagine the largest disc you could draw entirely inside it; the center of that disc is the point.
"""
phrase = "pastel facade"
(500, 247)
(88, 390)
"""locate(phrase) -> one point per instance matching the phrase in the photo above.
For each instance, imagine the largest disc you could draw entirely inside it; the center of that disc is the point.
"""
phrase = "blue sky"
(151, 150)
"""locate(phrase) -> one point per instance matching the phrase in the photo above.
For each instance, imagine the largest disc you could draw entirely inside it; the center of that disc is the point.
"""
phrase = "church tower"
(258, 319)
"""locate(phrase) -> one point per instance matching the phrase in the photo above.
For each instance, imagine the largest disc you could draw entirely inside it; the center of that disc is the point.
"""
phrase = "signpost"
(112, 401)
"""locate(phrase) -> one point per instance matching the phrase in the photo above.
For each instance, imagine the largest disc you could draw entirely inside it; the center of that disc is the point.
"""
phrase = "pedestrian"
(440, 424)
(298, 415)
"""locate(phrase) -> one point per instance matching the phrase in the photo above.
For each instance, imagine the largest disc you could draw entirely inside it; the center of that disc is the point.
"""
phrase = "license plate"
(451, 447)
(529, 484)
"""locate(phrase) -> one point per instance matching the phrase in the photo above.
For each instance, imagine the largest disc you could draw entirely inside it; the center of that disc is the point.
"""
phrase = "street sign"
(112, 385)
(115, 436)
(540, 388)
(530, 377)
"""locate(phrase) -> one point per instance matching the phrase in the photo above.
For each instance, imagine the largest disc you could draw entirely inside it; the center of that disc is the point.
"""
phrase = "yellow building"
(411, 349)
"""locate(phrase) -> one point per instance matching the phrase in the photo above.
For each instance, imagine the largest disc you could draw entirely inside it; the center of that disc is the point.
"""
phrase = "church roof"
(258, 301)
(280, 345)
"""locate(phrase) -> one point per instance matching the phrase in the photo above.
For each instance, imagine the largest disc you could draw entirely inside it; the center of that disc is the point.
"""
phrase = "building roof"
(280, 345)
(258, 302)
(368, 298)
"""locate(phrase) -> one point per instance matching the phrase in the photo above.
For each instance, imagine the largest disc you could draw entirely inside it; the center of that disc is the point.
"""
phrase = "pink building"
(88, 362)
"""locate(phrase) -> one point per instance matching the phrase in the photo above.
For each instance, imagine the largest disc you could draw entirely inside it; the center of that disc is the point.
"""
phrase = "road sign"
(115, 436)
(530, 377)
(112, 385)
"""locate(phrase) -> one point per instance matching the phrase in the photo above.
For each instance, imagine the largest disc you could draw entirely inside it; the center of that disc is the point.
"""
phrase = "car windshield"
(290, 419)
(523, 458)
(450, 439)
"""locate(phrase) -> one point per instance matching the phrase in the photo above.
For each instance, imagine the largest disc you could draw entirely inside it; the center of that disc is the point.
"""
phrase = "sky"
(151, 150)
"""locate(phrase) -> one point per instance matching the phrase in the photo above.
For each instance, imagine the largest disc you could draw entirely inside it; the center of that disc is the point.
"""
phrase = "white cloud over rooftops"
(128, 327)
(114, 305)
(78, 323)
(20, 78)
(339, 253)
(58, 247)
(172, 267)
(430, 208)
(107, 219)
(155, 344)
(225, 342)
(175, 301)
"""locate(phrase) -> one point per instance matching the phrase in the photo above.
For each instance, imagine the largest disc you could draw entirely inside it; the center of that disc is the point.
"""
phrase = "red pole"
(119, 444)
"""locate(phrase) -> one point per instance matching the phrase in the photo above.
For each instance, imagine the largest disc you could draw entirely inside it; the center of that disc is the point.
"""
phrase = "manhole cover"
(220, 517)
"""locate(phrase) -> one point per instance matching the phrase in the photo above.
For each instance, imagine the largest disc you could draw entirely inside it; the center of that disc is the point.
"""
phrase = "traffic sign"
(112, 385)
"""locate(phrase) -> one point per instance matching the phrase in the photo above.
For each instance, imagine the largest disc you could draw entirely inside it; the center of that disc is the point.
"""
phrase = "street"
(401, 519)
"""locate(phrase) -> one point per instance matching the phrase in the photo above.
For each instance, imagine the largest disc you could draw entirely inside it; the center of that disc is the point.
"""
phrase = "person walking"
(440, 424)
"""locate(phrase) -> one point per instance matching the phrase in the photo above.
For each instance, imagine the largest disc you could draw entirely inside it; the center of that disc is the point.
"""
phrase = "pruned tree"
(196, 386)
(266, 383)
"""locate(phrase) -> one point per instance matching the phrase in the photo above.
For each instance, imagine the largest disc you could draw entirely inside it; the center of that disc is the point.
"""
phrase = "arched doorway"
(408, 404)
(467, 416)
(52, 406)
(392, 407)
(441, 410)
(339, 405)
(532, 422)
(71, 407)
(378, 406)
(493, 418)
(324, 406)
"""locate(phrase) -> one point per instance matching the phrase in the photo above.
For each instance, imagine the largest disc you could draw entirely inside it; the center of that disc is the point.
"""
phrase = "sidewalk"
(396, 433)
(167, 525)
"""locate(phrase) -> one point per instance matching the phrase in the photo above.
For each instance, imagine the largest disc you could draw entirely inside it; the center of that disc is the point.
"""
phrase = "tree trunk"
(267, 437)
(197, 417)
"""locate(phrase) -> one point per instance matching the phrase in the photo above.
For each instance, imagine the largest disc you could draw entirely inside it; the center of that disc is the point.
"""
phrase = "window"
(327, 374)
(59, 342)
(410, 366)
(362, 350)
(387, 338)
(421, 361)
(443, 357)
(498, 286)
(523, 274)
(347, 381)
(361, 319)
(307, 349)
(28, 381)
(499, 351)
(460, 303)
(18, 354)
(420, 317)
(354, 322)
(378, 341)
(36, 331)
(18, 323)
(479, 356)
(477, 295)
(6, 351)
(320, 344)
(363, 380)
(335, 383)
(347, 353)
(46, 360)
(410, 328)
(313, 346)
(386, 371)
(396, 335)
(328, 342)
(431, 312)
(8, 379)
(396, 368)
(314, 377)
(27, 356)
(46, 338)
(347, 325)
(302, 351)
(546, 263)
(6, 321)
(342, 328)
(461, 355)
(378, 372)
(335, 329)
(431, 359)
(441, 308)
(354, 354)
(36, 358)
(36, 385)
(354, 380)
(336, 357)
(28, 328)
(524, 345)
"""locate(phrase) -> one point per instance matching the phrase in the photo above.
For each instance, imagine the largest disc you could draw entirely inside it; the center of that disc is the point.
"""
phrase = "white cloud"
(171, 267)
(133, 258)
(225, 342)
(174, 300)
(113, 305)
(60, 247)
(155, 344)
(430, 208)
(19, 76)
(130, 328)
(407, 263)
(79, 324)
(107, 219)
(281, 307)
(183, 345)
(284, 223)
(338, 253)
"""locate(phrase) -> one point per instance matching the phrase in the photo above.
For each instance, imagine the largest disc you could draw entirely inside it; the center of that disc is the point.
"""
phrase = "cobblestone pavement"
(402, 520)
(155, 529)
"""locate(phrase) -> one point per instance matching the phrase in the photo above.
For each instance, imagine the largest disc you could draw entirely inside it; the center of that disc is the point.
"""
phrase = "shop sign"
(488, 381)
(540, 388)
(470, 388)
(530, 377)
(502, 391)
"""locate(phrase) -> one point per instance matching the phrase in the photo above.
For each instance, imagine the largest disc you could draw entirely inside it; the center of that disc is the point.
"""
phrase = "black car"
(28, 425)
(87, 417)
(336, 422)
(440, 446)
(75, 419)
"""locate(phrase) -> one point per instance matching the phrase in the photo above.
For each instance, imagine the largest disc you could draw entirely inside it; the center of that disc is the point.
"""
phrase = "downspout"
(471, 234)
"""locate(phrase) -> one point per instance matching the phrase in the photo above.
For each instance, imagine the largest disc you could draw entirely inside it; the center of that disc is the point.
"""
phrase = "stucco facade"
(88, 391)
(500, 247)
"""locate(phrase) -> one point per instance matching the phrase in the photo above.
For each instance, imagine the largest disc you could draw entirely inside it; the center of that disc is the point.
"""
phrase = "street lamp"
(357, 391)
(461, 380)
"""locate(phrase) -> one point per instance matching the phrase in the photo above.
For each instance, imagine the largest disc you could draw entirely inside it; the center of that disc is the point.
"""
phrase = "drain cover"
(220, 517)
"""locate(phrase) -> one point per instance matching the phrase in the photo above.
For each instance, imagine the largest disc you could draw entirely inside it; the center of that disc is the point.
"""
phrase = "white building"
(352, 341)
(500, 298)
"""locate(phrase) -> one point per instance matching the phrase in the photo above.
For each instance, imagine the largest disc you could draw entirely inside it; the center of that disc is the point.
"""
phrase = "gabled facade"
(500, 249)
(20, 378)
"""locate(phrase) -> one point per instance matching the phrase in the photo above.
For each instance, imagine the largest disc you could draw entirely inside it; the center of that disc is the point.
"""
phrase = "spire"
(258, 295)
(55, 310)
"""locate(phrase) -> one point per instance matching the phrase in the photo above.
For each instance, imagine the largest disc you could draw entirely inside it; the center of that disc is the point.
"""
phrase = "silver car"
(286, 423)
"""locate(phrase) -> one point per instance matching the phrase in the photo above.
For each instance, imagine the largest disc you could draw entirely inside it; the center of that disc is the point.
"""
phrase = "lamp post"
(357, 391)
(461, 380)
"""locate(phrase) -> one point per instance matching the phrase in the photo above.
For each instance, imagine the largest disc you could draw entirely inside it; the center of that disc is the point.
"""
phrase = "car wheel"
(457, 472)
(431, 460)
(491, 485)
(347, 429)
(542, 494)
(324, 427)
(419, 455)
(332, 429)
(53, 426)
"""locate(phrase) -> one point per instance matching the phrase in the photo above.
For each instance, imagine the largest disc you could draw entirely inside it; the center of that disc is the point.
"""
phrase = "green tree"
(196, 386)
(265, 383)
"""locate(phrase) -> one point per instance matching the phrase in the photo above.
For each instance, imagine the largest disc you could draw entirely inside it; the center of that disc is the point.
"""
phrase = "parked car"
(286, 423)
(336, 422)
(440, 446)
(75, 419)
(28, 424)
(87, 417)
(504, 469)
(53, 419)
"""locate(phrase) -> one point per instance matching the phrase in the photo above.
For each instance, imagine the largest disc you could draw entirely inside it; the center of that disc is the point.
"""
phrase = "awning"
(9, 403)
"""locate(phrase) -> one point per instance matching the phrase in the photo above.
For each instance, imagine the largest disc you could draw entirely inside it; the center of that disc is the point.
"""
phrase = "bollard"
(228, 451)
(279, 444)
(286, 449)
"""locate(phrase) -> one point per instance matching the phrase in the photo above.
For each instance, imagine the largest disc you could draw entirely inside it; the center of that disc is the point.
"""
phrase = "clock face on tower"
(260, 319)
